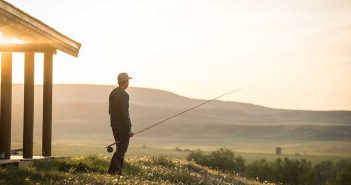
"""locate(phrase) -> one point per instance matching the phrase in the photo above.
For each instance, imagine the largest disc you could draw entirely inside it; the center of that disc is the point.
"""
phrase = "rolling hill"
(80, 113)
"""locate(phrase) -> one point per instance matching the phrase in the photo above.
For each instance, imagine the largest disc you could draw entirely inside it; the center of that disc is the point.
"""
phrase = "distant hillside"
(80, 112)
(87, 94)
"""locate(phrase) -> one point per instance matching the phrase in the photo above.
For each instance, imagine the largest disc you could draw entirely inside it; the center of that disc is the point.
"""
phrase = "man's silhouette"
(120, 122)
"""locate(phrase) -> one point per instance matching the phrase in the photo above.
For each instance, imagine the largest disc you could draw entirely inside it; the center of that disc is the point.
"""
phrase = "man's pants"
(116, 163)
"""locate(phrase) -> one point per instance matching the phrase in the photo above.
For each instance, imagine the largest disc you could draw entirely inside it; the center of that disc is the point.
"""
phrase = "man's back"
(119, 110)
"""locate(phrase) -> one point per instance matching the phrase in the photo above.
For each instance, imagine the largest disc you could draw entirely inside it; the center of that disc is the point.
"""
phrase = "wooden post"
(47, 104)
(28, 115)
(6, 100)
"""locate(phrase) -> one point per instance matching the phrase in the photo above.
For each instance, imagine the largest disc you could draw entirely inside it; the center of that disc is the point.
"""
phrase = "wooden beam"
(37, 48)
(6, 101)
(47, 104)
(28, 114)
(37, 29)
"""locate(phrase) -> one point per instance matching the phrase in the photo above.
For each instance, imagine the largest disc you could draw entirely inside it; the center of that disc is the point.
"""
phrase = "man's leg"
(122, 149)
(113, 164)
(116, 163)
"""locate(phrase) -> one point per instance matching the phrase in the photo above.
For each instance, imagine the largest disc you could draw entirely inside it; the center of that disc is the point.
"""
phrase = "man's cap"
(123, 77)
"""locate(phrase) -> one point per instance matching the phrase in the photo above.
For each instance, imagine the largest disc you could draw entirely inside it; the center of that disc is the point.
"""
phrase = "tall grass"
(138, 170)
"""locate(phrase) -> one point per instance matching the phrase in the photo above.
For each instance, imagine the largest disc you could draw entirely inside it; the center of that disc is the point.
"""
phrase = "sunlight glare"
(9, 40)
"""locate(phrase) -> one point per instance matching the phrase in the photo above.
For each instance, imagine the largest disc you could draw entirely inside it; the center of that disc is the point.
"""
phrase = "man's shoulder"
(119, 92)
(113, 91)
(124, 94)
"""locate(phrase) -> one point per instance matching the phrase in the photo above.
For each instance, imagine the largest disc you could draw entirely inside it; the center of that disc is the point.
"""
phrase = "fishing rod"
(110, 149)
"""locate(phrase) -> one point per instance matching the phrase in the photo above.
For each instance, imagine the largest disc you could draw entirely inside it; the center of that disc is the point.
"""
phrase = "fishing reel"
(109, 149)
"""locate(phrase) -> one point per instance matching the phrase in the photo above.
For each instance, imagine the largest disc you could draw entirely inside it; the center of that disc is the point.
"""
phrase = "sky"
(291, 54)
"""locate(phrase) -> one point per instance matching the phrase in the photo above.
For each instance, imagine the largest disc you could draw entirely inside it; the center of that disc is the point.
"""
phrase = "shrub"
(295, 171)
(198, 156)
(324, 172)
(285, 171)
(281, 171)
(262, 170)
(222, 159)
(343, 172)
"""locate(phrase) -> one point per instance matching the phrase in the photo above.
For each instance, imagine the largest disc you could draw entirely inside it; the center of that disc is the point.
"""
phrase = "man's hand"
(131, 134)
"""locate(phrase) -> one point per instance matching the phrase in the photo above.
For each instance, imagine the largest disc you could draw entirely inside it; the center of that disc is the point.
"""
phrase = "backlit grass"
(138, 170)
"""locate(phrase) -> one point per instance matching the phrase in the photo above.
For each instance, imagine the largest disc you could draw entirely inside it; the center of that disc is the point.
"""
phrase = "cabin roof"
(19, 24)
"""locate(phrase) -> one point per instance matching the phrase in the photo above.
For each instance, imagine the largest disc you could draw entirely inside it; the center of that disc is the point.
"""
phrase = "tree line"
(281, 171)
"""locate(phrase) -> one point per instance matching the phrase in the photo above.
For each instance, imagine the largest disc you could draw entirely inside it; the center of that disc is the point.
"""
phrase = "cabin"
(34, 37)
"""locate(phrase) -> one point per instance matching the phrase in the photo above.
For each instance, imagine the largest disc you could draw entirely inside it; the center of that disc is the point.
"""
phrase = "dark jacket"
(119, 110)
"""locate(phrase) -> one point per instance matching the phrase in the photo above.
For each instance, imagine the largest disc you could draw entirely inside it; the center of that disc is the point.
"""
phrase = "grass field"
(138, 170)
(311, 151)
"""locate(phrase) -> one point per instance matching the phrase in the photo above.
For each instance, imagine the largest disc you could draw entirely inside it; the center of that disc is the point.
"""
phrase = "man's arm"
(125, 112)
(109, 108)
(109, 103)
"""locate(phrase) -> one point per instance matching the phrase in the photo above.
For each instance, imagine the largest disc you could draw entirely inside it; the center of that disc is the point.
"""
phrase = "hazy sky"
(285, 54)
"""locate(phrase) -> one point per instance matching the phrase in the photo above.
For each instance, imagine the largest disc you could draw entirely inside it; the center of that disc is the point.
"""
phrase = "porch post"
(6, 100)
(28, 115)
(47, 104)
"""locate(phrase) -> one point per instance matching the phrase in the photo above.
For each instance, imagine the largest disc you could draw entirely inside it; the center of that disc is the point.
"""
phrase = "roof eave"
(33, 30)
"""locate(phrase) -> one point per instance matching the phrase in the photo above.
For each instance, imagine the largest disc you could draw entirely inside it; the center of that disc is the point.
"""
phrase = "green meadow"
(312, 151)
(138, 170)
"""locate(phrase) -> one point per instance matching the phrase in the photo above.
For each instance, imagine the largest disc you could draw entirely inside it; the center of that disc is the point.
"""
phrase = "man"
(120, 122)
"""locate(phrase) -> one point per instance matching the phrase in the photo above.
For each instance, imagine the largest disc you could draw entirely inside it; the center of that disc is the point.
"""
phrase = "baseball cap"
(123, 77)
